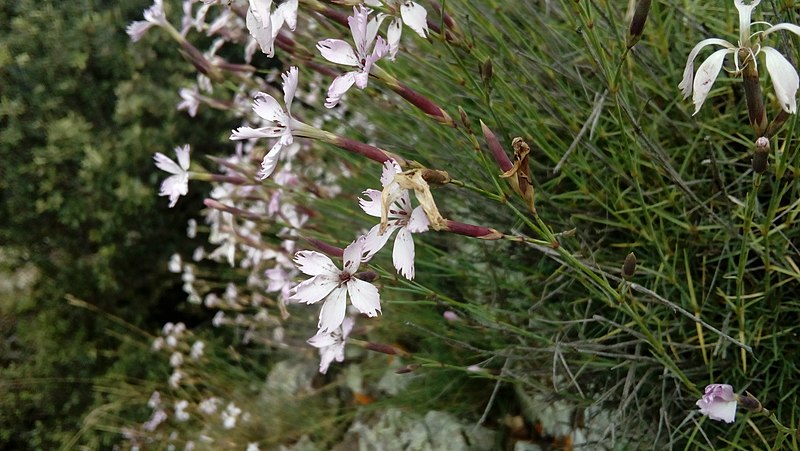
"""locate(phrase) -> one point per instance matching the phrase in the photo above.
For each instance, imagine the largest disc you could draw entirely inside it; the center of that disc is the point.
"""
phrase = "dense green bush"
(81, 114)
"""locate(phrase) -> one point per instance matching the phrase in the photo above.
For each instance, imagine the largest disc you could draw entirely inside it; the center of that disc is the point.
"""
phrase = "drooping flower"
(718, 403)
(784, 76)
(264, 24)
(331, 345)
(401, 218)
(280, 123)
(405, 12)
(363, 57)
(177, 184)
(153, 16)
(333, 285)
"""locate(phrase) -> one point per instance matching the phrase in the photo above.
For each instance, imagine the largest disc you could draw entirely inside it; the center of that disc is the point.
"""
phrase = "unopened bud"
(629, 267)
(761, 155)
(382, 348)
(637, 23)
(408, 368)
(451, 316)
(465, 120)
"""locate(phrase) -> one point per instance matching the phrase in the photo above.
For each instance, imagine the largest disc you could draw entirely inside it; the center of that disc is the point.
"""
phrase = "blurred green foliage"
(81, 113)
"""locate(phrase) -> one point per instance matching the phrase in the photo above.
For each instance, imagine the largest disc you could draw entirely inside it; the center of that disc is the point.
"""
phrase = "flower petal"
(372, 204)
(313, 290)
(707, 74)
(403, 253)
(340, 85)
(183, 156)
(314, 263)
(166, 164)
(365, 297)
(259, 25)
(289, 87)
(255, 133)
(418, 222)
(393, 34)
(270, 161)
(688, 72)
(338, 51)
(784, 79)
(333, 310)
(374, 241)
(745, 18)
(268, 108)
(352, 255)
(415, 17)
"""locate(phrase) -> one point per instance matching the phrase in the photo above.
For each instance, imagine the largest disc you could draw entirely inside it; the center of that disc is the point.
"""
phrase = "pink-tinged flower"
(177, 184)
(334, 285)
(410, 13)
(718, 403)
(363, 57)
(280, 122)
(331, 345)
(402, 218)
(264, 25)
(784, 76)
(154, 15)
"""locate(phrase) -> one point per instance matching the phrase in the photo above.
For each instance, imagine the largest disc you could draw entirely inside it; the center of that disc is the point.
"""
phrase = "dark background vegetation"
(81, 113)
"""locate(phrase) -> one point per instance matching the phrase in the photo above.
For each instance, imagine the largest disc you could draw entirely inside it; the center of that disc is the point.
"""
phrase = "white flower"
(180, 410)
(280, 122)
(784, 77)
(177, 184)
(264, 26)
(198, 348)
(154, 15)
(718, 403)
(402, 218)
(333, 285)
(190, 100)
(230, 415)
(331, 345)
(410, 13)
(340, 52)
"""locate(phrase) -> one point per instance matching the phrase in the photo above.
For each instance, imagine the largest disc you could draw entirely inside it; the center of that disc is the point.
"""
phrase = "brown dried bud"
(637, 22)
(629, 266)
(435, 176)
(761, 155)
(519, 176)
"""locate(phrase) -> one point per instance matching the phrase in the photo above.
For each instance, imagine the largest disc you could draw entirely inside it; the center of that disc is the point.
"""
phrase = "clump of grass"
(619, 165)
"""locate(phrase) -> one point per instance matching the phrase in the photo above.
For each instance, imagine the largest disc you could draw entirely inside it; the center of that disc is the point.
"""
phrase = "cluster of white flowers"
(237, 202)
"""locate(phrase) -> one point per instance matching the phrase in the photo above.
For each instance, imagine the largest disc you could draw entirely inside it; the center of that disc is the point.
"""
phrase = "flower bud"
(408, 368)
(637, 22)
(761, 155)
(629, 267)
(465, 120)
(382, 348)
